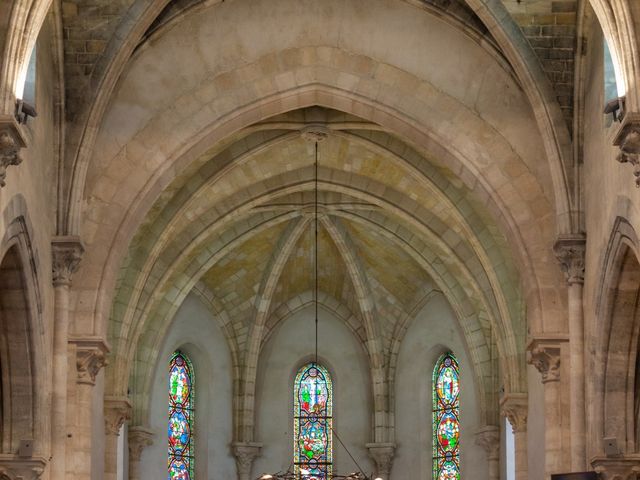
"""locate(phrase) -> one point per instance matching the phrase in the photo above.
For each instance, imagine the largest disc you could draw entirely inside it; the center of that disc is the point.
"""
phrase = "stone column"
(570, 251)
(544, 354)
(139, 439)
(66, 255)
(489, 438)
(91, 356)
(11, 142)
(245, 453)
(515, 408)
(382, 454)
(117, 410)
(618, 468)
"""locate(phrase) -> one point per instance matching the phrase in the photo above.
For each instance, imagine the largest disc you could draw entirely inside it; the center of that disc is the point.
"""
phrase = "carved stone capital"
(488, 438)
(11, 142)
(13, 467)
(245, 453)
(382, 454)
(515, 406)
(544, 354)
(628, 139)
(569, 251)
(618, 468)
(117, 410)
(139, 439)
(91, 356)
(66, 255)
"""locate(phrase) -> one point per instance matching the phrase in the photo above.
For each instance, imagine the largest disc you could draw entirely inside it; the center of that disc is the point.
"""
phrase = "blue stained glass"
(313, 405)
(446, 419)
(180, 427)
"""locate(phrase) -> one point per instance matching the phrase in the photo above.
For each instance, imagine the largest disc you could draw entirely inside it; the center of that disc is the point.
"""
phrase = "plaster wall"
(433, 331)
(290, 347)
(195, 332)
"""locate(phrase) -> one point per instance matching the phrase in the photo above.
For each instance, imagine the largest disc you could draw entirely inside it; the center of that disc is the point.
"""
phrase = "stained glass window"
(446, 421)
(313, 405)
(180, 432)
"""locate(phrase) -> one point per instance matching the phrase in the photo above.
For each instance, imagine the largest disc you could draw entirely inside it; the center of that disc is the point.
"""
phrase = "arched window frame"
(446, 418)
(304, 417)
(181, 461)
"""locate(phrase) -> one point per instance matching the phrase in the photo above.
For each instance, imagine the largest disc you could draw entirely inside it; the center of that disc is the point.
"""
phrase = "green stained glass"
(180, 431)
(446, 421)
(313, 405)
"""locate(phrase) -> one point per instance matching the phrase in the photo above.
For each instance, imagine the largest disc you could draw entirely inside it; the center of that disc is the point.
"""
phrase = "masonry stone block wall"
(470, 194)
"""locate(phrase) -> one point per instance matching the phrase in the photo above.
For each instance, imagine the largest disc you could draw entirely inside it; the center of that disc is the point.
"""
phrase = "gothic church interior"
(296, 239)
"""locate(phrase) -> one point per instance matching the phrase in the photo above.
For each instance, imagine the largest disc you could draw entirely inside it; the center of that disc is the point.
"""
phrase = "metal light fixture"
(317, 133)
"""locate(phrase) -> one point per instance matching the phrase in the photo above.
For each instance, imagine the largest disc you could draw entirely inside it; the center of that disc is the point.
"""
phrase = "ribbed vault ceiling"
(392, 227)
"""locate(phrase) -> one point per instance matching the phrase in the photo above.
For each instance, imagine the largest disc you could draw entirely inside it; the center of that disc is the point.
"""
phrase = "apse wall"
(433, 331)
(290, 347)
(195, 332)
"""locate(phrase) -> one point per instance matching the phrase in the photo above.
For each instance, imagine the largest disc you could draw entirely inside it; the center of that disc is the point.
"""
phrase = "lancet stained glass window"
(180, 432)
(446, 421)
(313, 406)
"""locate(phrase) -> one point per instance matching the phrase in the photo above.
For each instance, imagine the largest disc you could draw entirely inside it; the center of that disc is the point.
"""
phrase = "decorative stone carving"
(91, 356)
(13, 467)
(66, 254)
(619, 468)
(315, 133)
(488, 438)
(245, 454)
(11, 142)
(544, 354)
(515, 407)
(382, 454)
(628, 139)
(570, 251)
(139, 439)
(117, 410)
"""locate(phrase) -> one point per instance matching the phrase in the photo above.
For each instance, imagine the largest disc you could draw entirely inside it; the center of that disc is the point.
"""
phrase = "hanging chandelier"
(316, 134)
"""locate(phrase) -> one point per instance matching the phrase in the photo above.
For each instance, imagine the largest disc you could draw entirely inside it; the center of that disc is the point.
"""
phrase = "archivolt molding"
(29, 371)
(613, 359)
(180, 248)
(266, 290)
(142, 14)
(115, 253)
(367, 309)
(154, 340)
(177, 281)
